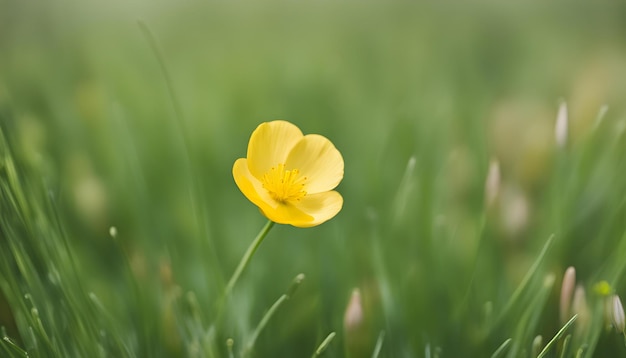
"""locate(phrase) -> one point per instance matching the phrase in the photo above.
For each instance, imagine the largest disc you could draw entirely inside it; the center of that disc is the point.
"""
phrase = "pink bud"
(492, 183)
(353, 317)
(560, 128)
(567, 289)
(617, 314)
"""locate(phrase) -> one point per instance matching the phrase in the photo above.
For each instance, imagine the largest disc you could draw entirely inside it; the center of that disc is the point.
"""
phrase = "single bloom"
(291, 176)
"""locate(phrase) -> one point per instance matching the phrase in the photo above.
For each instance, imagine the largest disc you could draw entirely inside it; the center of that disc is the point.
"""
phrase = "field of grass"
(120, 221)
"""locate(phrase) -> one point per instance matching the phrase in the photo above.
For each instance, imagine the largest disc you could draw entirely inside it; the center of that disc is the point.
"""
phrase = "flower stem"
(246, 257)
(238, 271)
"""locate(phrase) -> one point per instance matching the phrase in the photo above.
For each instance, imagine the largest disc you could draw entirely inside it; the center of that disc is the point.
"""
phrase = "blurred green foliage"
(417, 97)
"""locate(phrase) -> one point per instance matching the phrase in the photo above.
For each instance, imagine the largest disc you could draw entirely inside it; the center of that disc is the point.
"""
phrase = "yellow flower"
(291, 176)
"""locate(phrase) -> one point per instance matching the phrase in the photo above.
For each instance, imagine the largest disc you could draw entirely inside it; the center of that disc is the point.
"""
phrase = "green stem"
(322, 347)
(556, 337)
(503, 347)
(247, 257)
(266, 318)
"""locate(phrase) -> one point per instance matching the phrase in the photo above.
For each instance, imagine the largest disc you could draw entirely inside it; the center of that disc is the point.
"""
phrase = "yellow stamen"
(284, 185)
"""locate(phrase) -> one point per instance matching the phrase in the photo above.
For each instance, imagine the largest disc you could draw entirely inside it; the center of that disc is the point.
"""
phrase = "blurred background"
(419, 98)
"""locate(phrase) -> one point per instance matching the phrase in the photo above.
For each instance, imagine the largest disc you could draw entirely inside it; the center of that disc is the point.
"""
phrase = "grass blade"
(324, 345)
(503, 347)
(557, 336)
(379, 344)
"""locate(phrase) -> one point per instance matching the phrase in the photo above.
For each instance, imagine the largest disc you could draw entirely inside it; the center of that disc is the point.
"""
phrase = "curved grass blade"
(324, 345)
(268, 315)
(557, 336)
(502, 349)
(379, 344)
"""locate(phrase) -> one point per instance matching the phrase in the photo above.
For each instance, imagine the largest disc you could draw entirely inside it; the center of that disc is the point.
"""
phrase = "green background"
(418, 98)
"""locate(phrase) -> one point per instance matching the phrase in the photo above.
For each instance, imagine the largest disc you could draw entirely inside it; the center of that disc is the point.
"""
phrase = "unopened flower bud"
(537, 344)
(492, 183)
(617, 314)
(353, 317)
(580, 308)
(516, 211)
(560, 128)
(355, 329)
(567, 289)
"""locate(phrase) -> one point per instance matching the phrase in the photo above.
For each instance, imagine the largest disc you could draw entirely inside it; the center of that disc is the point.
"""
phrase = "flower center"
(284, 185)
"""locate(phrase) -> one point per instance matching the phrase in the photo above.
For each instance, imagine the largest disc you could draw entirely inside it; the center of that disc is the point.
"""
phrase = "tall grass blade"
(502, 349)
(557, 336)
(324, 345)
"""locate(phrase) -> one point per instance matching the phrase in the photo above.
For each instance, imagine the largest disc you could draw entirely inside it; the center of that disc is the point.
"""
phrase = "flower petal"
(270, 144)
(321, 207)
(288, 214)
(317, 159)
(253, 190)
(250, 186)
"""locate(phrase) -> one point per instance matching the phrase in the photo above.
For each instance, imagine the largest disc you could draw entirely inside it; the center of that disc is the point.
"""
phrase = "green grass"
(121, 225)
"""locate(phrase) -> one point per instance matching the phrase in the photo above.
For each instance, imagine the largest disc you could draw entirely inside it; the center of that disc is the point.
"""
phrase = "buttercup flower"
(291, 176)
